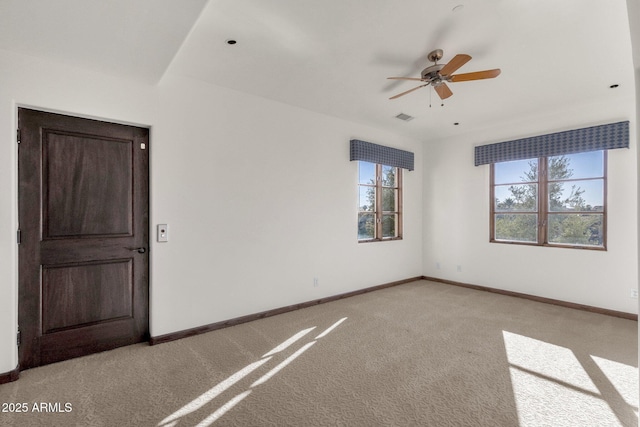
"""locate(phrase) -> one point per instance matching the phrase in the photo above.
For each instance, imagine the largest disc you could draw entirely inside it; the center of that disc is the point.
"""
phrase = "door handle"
(140, 250)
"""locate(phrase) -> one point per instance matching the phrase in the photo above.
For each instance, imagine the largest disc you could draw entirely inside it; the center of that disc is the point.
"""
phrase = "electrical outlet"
(316, 282)
(437, 266)
(634, 293)
(459, 268)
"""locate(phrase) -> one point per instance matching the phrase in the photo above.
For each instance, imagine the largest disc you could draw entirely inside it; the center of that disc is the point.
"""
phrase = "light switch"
(163, 233)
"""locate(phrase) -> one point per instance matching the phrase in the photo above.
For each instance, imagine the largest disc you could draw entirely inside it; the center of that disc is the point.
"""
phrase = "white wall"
(260, 197)
(456, 219)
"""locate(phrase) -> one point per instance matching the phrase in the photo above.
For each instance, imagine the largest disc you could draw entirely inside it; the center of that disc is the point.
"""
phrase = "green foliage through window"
(556, 200)
(380, 200)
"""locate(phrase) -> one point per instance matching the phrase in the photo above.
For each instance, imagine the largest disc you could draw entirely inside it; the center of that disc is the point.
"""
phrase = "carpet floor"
(418, 354)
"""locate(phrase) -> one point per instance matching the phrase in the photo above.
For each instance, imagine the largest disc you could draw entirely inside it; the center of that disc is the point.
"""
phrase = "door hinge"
(19, 236)
(19, 337)
(18, 135)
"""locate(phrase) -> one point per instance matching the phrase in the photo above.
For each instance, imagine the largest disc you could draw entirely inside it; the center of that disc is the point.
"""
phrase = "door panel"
(83, 212)
(81, 294)
(89, 186)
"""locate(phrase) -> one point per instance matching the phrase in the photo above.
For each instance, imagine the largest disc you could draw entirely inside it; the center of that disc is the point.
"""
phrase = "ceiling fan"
(438, 75)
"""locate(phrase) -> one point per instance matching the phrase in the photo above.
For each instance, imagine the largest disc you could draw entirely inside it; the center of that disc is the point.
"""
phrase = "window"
(379, 202)
(550, 201)
(379, 189)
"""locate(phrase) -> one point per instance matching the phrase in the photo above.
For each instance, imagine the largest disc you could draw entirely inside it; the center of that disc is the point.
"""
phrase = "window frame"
(542, 211)
(378, 211)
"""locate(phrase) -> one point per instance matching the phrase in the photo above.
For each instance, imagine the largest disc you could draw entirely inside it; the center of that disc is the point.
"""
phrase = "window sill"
(551, 245)
(388, 239)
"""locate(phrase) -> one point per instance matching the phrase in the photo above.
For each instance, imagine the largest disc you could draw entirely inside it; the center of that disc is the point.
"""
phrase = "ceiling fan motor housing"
(432, 74)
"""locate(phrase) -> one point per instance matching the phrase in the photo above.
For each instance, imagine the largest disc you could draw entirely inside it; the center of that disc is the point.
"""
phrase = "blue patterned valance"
(374, 153)
(603, 137)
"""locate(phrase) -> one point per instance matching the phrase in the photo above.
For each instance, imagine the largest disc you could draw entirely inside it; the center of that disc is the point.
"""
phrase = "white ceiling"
(334, 56)
(131, 38)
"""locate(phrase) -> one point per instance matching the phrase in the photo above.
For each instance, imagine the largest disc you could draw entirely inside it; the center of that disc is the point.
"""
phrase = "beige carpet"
(419, 354)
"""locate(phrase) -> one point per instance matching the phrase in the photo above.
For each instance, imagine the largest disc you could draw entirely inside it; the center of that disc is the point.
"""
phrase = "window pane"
(520, 228)
(516, 198)
(388, 225)
(388, 176)
(367, 198)
(366, 226)
(379, 196)
(516, 171)
(575, 166)
(366, 173)
(576, 196)
(576, 229)
(388, 199)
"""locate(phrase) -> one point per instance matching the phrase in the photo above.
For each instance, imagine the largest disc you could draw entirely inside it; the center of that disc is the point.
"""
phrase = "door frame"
(15, 374)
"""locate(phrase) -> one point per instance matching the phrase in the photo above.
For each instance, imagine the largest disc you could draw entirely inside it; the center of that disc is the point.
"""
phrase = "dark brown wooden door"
(84, 223)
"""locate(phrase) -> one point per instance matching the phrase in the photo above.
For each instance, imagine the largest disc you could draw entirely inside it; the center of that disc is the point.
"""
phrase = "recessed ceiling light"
(613, 86)
(231, 41)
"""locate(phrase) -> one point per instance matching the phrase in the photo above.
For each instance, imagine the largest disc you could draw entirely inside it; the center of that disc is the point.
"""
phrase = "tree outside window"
(380, 202)
(557, 200)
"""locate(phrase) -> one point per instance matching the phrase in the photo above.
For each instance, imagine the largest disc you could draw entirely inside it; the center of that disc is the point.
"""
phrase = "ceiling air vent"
(405, 117)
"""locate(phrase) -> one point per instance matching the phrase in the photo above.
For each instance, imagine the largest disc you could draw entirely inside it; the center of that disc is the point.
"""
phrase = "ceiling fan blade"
(457, 62)
(478, 75)
(405, 78)
(443, 91)
(410, 90)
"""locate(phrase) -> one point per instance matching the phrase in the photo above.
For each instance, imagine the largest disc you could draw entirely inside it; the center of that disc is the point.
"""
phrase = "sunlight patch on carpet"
(221, 387)
(223, 409)
(280, 366)
(548, 379)
(331, 328)
(288, 342)
(208, 396)
(623, 377)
